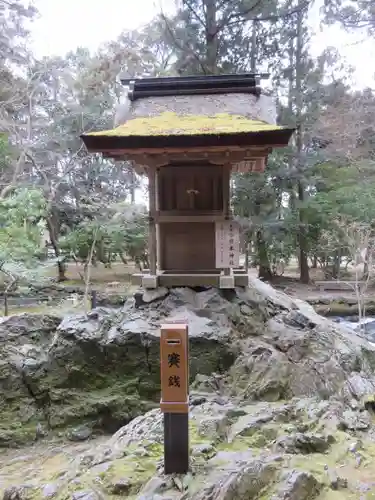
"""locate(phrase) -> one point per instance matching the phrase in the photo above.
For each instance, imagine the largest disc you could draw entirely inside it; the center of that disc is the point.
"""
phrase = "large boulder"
(102, 369)
(23, 340)
(299, 353)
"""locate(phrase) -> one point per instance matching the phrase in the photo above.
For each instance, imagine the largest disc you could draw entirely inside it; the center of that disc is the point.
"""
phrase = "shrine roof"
(169, 123)
(194, 111)
(170, 127)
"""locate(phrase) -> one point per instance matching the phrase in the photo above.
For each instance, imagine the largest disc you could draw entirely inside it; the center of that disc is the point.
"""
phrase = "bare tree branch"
(238, 17)
(195, 14)
(180, 47)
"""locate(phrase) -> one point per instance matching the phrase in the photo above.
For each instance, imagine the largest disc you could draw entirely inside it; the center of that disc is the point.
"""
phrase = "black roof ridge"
(194, 78)
(193, 85)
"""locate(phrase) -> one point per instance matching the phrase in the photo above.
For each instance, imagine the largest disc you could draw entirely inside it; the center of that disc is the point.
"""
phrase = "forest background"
(315, 203)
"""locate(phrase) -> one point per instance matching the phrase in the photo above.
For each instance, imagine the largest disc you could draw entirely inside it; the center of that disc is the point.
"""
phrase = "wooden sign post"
(174, 367)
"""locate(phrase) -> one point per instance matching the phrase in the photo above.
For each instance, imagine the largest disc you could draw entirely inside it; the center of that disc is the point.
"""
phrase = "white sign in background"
(227, 244)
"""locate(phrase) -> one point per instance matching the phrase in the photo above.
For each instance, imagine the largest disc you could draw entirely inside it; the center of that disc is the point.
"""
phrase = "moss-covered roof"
(168, 123)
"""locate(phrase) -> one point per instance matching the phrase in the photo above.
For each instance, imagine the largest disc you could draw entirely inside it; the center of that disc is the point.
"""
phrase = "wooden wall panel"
(188, 246)
(191, 188)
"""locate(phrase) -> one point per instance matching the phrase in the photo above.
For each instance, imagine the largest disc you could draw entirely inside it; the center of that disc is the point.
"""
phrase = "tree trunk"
(314, 262)
(254, 48)
(264, 272)
(6, 306)
(52, 230)
(302, 238)
(336, 265)
(211, 36)
(365, 267)
(132, 187)
(302, 241)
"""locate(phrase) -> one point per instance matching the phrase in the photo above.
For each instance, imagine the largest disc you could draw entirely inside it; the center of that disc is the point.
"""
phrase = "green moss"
(136, 472)
(111, 403)
(17, 435)
(168, 123)
(342, 461)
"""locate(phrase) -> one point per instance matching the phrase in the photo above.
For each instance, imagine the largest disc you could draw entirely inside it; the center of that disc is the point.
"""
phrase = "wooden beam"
(241, 161)
(152, 225)
(191, 214)
(164, 219)
(189, 151)
(157, 207)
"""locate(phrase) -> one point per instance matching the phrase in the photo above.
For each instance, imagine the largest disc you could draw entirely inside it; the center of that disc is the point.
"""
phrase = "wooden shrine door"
(192, 192)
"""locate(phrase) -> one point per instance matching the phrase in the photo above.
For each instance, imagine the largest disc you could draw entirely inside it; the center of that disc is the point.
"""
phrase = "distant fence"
(337, 286)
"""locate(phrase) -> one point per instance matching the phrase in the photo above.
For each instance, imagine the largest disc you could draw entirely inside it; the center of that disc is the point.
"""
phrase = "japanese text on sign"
(227, 244)
(174, 361)
(174, 366)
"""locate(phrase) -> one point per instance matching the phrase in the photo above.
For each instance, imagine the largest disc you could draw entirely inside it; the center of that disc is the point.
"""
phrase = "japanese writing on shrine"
(227, 244)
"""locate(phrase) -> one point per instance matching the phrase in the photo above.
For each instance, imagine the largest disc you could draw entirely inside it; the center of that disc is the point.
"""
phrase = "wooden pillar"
(226, 200)
(152, 243)
(226, 190)
(158, 238)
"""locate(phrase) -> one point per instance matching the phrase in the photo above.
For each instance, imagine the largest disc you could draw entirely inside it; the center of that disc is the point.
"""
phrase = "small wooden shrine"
(188, 134)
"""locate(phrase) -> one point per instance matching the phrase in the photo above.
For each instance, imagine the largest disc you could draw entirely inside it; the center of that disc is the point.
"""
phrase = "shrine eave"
(271, 138)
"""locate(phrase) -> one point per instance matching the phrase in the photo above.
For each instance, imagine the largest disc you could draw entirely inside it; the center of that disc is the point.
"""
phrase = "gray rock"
(50, 490)
(214, 427)
(359, 386)
(203, 449)
(86, 495)
(147, 428)
(154, 497)
(355, 421)
(40, 431)
(299, 485)
(245, 482)
(275, 348)
(231, 459)
(295, 360)
(355, 446)
(80, 433)
(154, 486)
(298, 319)
(197, 400)
(304, 443)
(121, 487)
(53, 367)
(336, 482)
(248, 425)
(16, 493)
(152, 295)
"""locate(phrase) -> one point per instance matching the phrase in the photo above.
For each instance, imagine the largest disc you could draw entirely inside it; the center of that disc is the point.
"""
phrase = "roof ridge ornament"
(193, 85)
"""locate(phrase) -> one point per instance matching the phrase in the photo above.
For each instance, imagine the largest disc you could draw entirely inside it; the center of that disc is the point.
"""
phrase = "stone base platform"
(238, 277)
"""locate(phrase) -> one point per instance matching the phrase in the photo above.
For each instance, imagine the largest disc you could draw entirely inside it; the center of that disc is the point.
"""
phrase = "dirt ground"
(116, 280)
